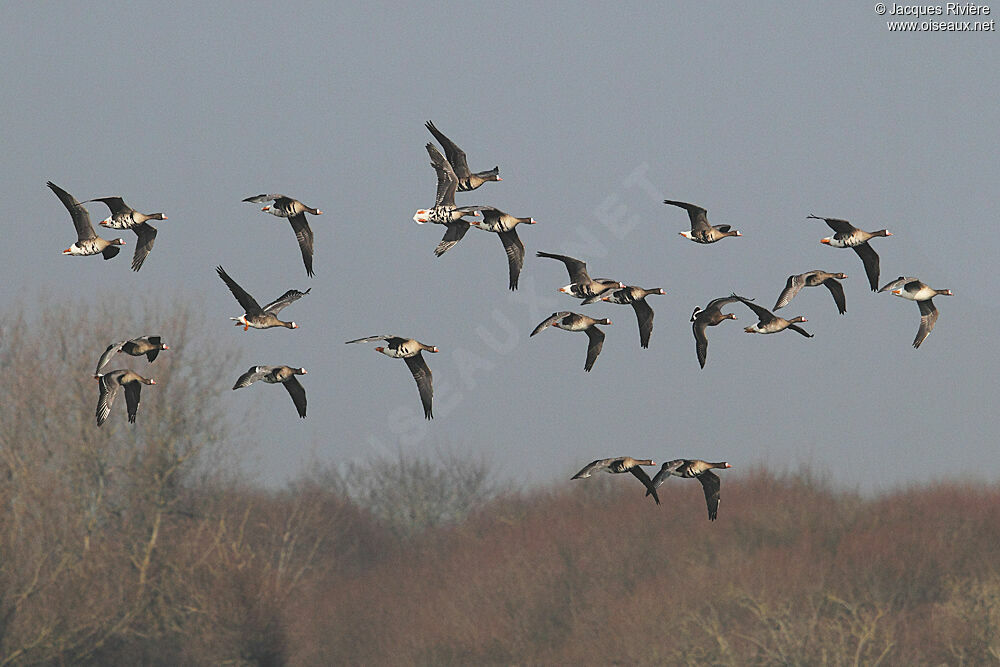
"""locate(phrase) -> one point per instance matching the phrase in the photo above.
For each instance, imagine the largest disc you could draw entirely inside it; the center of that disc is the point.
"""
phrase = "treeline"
(117, 554)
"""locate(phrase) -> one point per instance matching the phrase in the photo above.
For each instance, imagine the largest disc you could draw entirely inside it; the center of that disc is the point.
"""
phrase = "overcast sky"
(595, 113)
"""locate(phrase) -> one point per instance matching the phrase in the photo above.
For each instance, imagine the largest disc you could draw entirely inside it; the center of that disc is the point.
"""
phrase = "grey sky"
(759, 112)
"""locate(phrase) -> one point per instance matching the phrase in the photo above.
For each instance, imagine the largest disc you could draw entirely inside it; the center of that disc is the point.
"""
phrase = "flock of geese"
(454, 175)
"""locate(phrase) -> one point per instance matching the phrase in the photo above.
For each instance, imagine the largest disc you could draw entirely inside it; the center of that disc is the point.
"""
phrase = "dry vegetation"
(123, 545)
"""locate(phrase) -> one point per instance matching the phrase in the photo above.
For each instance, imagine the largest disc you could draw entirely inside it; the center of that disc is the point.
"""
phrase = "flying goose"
(770, 323)
(295, 211)
(456, 157)
(711, 316)
(255, 316)
(636, 297)
(575, 322)
(495, 220)
(87, 243)
(274, 375)
(110, 383)
(409, 350)
(812, 279)
(581, 284)
(122, 215)
(701, 230)
(702, 471)
(445, 212)
(148, 345)
(915, 290)
(849, 236)
(618, 465)
(125, 217)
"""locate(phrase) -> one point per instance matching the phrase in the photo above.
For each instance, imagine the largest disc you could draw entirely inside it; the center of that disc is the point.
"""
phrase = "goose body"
(582, 286)
(636, 297)
(697, 469)
(255, 316)
(849, 236)
(110, 383)
(621, 464)
(124, 216)
(87, 241)
(409, 350)
(287, 207)
(147, 345)
(445, 212)
(916, 290)
(495, 220)
(575, 322)
(284, 375)
(710, 316)
(813, 279)
(701, 230)
(467, 180)
(770, 323)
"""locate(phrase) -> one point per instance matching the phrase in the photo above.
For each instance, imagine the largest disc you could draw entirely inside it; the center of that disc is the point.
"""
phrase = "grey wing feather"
(109, 390)
(255, 373)
(697, 214)
(700, 341)
(456, 156)
(870, 259)
(664, 472)
(641, 475)
(763, 313)
(711, 483)
(577, 270)
(145, 235)
(369, 339)
(132, 393)
(422, 374)
(839, 226)
(591, 468)
(81, 218)
(897, 283)
(112, 350)
(799, 330)
(259, 199)
(452, 235)
(928, 317)
(722, 301)
(596, 337)
(514, 248)
(837, 290)
(304, 235)
(247, 302)
(115, 204)
(490, 214)
(644, 314)
(836, 224)
(289, 297)
(550, 320)
(447, 180)
(793, 285)
(298, 394)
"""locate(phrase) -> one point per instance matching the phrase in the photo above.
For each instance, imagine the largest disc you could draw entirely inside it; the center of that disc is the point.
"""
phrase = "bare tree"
(413, 492)
(83, 504)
